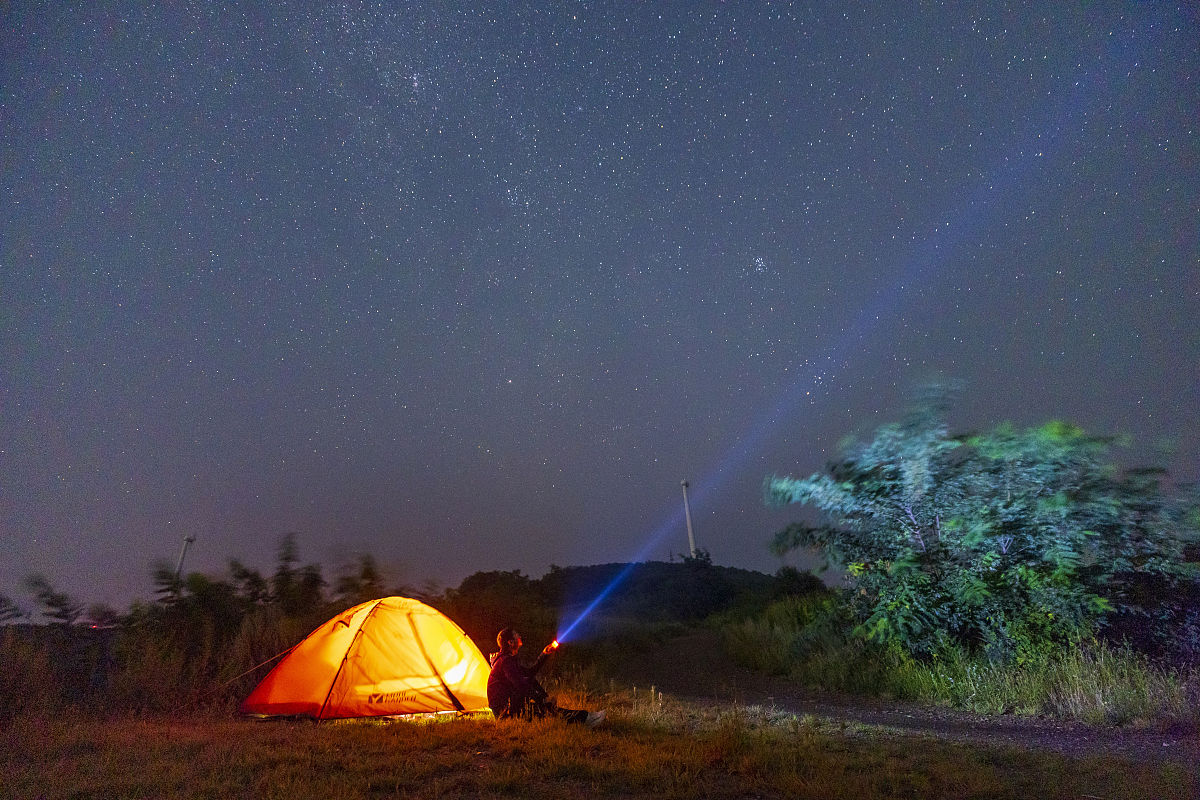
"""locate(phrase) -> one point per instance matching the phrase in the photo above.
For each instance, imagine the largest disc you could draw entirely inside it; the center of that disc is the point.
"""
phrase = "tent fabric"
(389, 656)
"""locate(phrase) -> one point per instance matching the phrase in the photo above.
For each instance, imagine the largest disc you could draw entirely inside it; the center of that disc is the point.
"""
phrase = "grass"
(652, 747)
(806, 639)
(1099, 685)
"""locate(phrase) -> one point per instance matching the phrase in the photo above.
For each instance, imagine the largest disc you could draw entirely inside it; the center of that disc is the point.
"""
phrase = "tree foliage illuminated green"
(1011, 541)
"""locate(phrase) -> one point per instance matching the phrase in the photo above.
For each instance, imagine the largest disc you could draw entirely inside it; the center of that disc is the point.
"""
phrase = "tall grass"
(1099, 685)
(29, 684)
(808, 639)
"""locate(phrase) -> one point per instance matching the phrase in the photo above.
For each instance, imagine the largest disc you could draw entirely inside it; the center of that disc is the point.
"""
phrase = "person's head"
(509, 641)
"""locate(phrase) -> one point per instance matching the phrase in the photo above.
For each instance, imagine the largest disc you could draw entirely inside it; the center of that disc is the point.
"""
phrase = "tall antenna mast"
(187, 540)
(687, 515)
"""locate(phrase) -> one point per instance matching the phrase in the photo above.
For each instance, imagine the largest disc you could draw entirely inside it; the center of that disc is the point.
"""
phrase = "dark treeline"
(205, 640)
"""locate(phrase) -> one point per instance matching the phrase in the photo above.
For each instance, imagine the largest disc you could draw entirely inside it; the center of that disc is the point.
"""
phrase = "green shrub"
(1015, 543)
(785, 633)
(809, 639)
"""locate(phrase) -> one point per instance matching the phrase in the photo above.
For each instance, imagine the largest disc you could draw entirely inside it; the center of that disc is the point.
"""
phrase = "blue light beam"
(981, 208)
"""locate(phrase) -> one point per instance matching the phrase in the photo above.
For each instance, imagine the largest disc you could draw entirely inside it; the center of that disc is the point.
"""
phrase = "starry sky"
(473, 286)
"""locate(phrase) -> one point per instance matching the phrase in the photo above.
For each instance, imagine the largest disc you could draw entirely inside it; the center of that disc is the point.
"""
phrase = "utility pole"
(187, 540)
(687, 515)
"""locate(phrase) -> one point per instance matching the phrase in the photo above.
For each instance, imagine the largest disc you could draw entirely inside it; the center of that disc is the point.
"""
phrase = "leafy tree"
(360, 583)
(252, 586)
(1013, 541)
(102, 615)
(167, 585)
(298, 591)
(310, 591)
(57, 606)
(9, 610)
(485, 602)
(790, 581)
(283, 582)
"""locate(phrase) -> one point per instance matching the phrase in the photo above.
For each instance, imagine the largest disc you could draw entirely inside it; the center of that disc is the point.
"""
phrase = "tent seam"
(346, 655)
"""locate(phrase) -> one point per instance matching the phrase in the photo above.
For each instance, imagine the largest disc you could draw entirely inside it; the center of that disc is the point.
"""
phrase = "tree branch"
(916, 530)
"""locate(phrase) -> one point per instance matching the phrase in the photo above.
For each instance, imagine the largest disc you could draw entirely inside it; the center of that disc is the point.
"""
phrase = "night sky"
(475, 288)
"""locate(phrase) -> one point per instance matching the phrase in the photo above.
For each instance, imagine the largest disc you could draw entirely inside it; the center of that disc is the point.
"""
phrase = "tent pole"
(432, 668)
(341, 666)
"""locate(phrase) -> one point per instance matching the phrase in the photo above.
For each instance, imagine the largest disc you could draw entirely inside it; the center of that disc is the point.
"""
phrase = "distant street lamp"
(687, 515)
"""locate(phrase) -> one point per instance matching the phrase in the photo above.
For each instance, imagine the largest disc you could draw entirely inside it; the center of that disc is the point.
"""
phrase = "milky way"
(474, 289)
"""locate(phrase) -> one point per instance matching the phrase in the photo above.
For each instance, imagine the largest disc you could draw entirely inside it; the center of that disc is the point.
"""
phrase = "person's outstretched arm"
(547, 651)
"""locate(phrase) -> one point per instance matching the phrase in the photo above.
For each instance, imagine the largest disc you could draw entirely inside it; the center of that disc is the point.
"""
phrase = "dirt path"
(694, 667)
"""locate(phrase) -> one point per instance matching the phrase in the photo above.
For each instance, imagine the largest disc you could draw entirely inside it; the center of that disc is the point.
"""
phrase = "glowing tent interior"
(389, 656)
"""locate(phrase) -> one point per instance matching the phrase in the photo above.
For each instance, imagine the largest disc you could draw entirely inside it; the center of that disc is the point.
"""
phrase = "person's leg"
(537, 709)
(571, 715)
(588, 718)
(521, 707)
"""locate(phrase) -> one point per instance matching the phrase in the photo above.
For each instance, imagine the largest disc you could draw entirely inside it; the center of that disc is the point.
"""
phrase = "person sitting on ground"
(513, 691)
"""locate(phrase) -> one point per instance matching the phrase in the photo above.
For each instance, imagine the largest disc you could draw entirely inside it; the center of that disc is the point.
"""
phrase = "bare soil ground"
(694, 667)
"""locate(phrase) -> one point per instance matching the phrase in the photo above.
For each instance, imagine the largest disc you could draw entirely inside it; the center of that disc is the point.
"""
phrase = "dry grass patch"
(651, 748)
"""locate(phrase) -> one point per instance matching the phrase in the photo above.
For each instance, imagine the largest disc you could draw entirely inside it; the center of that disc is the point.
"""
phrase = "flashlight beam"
(979, 208)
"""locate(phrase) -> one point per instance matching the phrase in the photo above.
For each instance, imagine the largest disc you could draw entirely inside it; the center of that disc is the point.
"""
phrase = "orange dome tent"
(388, 656)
